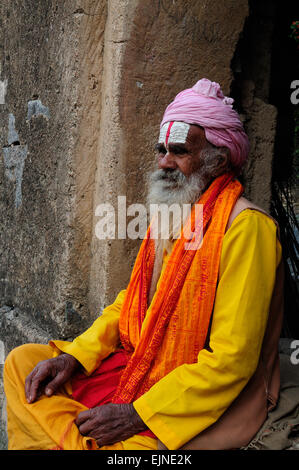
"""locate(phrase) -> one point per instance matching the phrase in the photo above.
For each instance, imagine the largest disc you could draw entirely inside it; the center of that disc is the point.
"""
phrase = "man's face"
(180, 146)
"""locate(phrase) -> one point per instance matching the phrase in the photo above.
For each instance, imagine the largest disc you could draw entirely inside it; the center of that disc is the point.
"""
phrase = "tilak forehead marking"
(178, 132)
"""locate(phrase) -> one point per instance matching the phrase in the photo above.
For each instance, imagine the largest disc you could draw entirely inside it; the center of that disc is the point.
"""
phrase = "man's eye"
(179, 151)
(161, 149)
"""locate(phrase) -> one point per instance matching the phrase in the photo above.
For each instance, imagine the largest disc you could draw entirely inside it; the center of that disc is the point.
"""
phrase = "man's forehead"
(179, 132)
(175, 132)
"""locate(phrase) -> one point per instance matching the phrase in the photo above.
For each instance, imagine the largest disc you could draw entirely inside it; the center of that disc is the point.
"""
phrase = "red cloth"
(99, 388)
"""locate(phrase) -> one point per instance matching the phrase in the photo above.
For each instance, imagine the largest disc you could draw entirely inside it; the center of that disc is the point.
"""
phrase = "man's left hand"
(110, 423)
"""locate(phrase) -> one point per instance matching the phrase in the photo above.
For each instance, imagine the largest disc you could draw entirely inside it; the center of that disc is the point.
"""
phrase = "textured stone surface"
(109, 261)
(19, 328)
(3, 434)
(86, 84)
(261, 132)
(251, 67)
(153, 49)
(49, 124)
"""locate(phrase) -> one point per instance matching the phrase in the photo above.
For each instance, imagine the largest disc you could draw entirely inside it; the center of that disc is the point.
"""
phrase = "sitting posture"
(186, 356)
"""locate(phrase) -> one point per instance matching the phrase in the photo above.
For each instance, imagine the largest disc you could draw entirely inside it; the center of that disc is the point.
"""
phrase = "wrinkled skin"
(186, 157)
(107, 424)
(110, 423)
(49, 375)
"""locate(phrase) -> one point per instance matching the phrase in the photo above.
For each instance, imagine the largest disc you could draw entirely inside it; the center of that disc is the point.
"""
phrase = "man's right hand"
(49, 375)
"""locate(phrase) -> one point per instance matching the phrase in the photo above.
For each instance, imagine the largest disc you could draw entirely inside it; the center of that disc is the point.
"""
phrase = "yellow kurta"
(192, 397)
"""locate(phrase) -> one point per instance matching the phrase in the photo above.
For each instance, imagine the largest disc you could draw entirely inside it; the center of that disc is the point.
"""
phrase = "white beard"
(172, 187)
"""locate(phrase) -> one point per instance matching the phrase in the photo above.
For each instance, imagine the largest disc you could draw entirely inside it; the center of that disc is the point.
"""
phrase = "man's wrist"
(139, 425)
(72, 360)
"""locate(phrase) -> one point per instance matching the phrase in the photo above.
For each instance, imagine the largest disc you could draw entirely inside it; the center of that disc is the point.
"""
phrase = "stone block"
(153, 50)
(51, 66)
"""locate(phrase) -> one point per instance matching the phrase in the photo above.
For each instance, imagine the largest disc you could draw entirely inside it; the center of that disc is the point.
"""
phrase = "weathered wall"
(157, 49)
(52, 61)
(251, 66)
(95, 78)
(109, 264)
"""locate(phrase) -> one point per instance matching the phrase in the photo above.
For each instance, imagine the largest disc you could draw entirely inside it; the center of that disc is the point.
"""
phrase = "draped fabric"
(99, 388)
(250, 254)
(176, 329)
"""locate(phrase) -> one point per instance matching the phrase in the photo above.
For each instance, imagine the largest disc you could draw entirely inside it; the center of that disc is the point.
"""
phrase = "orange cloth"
(48, 423)
(34, 426)
(176, 330)
(170, 336)
(249, 256)
(99, 388)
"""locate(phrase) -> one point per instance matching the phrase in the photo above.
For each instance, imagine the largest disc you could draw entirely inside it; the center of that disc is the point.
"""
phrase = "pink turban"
(204, 104)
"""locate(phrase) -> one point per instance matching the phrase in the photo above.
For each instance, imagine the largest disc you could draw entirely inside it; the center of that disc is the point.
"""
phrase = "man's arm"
(96, 343)
(193, 396)
(87, 350)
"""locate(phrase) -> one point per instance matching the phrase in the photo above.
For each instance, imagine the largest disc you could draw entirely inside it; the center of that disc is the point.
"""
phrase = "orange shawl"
(175, 330)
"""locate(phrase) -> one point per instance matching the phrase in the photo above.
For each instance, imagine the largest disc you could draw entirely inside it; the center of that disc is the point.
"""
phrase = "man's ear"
(223, 159)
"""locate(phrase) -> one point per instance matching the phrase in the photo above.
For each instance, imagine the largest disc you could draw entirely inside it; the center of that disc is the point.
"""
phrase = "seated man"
(187, 356)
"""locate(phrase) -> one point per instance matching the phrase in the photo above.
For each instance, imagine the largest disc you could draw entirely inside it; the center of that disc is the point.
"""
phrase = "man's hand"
(49, 375)
(110, 423)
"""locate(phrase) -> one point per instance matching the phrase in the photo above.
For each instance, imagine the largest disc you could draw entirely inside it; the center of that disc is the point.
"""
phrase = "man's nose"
(167, 161)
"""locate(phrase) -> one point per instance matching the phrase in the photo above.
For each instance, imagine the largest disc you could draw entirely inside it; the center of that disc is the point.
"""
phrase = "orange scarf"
(175, 330)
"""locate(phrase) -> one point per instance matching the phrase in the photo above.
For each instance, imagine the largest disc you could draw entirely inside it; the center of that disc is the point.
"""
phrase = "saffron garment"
(176, 329)
(192, 396)
(48, 423)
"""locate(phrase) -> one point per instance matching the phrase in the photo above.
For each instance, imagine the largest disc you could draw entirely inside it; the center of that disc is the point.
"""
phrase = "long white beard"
(172, 187)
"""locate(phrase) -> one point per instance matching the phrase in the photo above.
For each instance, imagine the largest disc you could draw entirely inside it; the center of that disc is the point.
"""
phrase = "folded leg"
(48, 423)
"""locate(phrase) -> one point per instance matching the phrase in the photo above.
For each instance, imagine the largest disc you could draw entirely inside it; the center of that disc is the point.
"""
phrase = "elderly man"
(186, 356)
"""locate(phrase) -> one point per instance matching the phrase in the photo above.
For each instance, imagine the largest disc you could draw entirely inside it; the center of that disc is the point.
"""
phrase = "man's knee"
(25, 357)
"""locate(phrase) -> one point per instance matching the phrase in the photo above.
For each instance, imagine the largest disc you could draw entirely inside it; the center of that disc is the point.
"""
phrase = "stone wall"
(251, 66)
(52, 61)
(152, 51)
(3, 434)
(86, 84)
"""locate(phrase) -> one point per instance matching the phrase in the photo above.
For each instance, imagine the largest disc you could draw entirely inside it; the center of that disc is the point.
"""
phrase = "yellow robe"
(193, 396)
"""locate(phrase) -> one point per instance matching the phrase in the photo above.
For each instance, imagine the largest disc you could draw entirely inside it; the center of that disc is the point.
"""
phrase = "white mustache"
(169, 179)
(168, 187)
